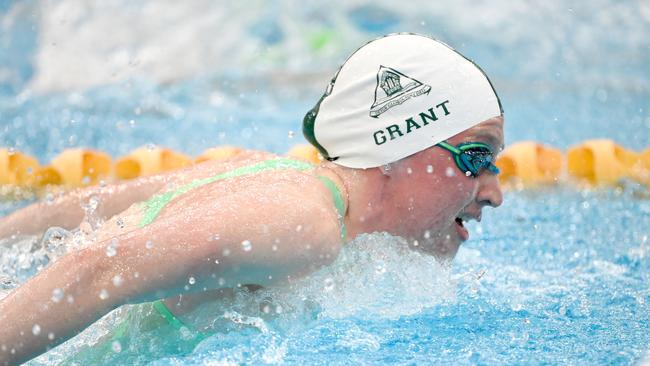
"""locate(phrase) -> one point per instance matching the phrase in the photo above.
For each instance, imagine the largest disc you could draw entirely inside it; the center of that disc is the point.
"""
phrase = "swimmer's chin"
(444, 251)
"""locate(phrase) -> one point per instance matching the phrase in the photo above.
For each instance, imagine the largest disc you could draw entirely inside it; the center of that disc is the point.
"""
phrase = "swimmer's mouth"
(462, 232)
(459, 221)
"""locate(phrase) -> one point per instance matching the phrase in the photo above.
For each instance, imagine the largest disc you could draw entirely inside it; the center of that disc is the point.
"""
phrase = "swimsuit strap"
(164, 311)
(155, 205)
(338, 201)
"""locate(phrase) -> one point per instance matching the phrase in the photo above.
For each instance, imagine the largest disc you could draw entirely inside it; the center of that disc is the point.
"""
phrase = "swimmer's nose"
(489, 191)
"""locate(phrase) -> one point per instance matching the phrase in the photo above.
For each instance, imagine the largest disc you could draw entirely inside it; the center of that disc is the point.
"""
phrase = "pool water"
(557, 275)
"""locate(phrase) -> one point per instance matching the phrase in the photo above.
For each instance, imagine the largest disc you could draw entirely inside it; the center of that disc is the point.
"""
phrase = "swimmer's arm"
(184, 246)
(67, 211)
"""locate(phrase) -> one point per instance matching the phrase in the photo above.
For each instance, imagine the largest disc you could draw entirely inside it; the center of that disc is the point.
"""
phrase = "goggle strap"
(449, 147)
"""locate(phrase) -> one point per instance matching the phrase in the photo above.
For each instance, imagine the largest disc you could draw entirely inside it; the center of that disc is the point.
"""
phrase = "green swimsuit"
(155, 205)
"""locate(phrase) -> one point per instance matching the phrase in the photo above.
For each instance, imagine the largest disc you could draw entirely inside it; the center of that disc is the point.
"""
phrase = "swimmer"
(409, 129)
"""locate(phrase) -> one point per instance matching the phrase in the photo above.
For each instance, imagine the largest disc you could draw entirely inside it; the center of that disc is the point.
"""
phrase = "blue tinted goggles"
(472, 157)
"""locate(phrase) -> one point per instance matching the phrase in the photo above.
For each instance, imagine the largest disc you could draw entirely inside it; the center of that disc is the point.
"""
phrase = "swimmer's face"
(432, 199)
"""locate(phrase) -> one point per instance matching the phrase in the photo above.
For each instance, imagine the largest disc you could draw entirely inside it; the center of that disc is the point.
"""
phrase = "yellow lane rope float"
(82, 167)
(601, 162)
(17, 168)
(218, 153)
(523, 164)
(529, 163)
(148, 161)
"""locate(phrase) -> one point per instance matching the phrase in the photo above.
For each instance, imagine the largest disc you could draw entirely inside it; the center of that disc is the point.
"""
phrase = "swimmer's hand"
(261, 235)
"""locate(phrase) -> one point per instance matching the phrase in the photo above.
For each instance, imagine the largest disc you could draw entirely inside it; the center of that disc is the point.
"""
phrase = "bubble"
(427, 234)
(148, 244)
(409, 171)
(70, 299)
(290, 134)
(119, 222)
(36, 329)
(380, 268)
(328, 284)
(116, 346)
(274, 248)
(117, 281)
(429, 169)
(50, 336)
(468, 173)
(450, 172)
(192, 280)
(213, 237)
(221, 281)
(299, 228)
(57, 295)
(246, 245)
(103, 294)
(85, 180)
(226, 252)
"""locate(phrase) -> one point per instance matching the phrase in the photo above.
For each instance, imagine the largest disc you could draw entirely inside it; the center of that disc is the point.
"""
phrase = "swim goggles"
(471, 157)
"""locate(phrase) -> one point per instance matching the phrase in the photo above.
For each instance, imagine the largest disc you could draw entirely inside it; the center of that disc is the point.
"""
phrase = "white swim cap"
(396, 96)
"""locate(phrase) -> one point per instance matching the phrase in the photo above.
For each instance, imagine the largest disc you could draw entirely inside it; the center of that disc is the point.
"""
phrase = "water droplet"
(246, 245)
(36, 329)
(50, 336)
(85, 180)
(409, 171)
(148, 244)
(427, 234)
(213, 237)
(117, 281)
(111, 248)
(416, 243)
(221, 281)
(49, 198)
(226, 252)
(328, 284)
(468, 173)
(299, 228)
(274, 248)
(70, 299)
(55, 239)
(57, 295)
(103, 294)
(216, 261)
(429, 169)
(192, 280)
(290, 134)
(116, 346)
(450, 172)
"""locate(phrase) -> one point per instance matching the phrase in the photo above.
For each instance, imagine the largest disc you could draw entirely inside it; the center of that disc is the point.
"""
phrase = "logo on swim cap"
(390, 91)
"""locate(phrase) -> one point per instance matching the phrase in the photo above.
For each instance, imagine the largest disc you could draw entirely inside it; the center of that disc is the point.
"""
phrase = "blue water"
(555, 276)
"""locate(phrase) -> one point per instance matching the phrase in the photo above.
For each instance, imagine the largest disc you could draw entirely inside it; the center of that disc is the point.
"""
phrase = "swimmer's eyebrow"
(490, 139)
